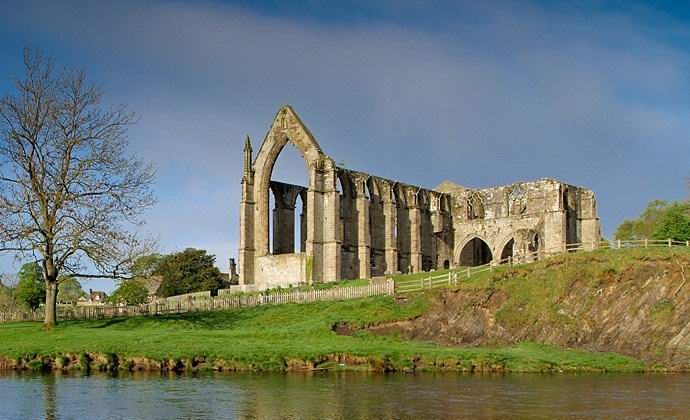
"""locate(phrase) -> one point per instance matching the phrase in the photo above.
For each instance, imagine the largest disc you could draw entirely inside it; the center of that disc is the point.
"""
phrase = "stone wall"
(281, 270)
(543, 215)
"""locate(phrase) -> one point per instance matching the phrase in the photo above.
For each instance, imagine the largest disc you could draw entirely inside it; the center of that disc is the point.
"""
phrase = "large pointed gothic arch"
(319, 261)
(287, 127)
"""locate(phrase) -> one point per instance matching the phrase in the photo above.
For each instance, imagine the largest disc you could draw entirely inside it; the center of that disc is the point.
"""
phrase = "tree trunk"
(51, 304)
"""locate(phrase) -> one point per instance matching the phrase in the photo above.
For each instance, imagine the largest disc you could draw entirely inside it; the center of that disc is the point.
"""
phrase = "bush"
(191, 270)
(660, 220)
(643, 227)
(69, 290)
(130, 292)
(674, 223)
(31, 289)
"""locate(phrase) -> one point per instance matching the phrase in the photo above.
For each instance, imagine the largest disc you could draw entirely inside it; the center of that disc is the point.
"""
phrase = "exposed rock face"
(641, 309)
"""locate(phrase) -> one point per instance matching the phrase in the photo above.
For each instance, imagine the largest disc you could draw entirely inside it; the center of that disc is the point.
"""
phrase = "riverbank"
(622, 311)
(277, 338)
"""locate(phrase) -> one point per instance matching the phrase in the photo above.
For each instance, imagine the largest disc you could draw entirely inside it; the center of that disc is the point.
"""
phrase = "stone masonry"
(357, 225)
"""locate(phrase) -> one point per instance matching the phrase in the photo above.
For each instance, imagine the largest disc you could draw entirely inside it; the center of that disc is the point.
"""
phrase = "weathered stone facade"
(357, 225)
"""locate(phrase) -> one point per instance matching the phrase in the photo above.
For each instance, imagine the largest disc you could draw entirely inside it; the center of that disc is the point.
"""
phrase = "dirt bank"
(637, 306)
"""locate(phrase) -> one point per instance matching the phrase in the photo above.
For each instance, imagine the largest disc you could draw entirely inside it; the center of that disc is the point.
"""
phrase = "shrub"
(31, 289)
(191, 270)
(130, 292)
(674, 223)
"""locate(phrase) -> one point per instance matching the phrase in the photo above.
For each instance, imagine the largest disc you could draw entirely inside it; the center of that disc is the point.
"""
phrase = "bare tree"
(70, 194)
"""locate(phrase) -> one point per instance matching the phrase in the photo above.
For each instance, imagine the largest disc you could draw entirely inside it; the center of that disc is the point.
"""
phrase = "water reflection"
(343, 396)
(50, 396)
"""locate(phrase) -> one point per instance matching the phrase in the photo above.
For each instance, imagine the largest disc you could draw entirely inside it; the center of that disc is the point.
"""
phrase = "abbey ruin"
(356, 225)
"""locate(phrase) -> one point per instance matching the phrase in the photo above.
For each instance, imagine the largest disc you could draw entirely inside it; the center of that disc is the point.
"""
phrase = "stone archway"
(320, 260)
(473, 252)
(286, 128)
(507, 251)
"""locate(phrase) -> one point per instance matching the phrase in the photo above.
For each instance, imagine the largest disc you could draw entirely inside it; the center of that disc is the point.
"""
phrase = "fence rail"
(216, 303)
(455, 275)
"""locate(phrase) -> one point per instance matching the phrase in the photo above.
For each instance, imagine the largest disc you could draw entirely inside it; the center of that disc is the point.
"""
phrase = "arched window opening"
(286, 217)
(446, 265)
(475, 252)
(475, 206)
(535, 244)
(571, 234)
(517, 200)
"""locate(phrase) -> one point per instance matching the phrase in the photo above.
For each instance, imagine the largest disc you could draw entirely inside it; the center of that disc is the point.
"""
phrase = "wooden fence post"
(669, 242)
(468, 272)
(619, 244)
(646, 243)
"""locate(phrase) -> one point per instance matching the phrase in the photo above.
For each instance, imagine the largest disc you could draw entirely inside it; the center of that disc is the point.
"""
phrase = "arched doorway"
(446, 265)
(507, 252)
(475, 252)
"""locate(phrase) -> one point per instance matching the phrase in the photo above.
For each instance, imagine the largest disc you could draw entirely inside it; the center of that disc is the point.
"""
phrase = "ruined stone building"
(357, 225)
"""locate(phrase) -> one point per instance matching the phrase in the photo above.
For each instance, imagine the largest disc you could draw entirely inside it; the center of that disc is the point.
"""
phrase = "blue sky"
(481, 93)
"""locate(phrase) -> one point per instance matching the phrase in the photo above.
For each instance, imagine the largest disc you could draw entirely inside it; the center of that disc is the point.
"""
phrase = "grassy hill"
(539, 317)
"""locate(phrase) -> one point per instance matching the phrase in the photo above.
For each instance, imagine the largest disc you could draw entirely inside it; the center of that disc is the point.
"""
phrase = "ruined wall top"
(520, 199)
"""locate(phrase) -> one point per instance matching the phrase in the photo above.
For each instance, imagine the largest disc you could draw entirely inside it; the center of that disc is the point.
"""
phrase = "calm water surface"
(343, 396)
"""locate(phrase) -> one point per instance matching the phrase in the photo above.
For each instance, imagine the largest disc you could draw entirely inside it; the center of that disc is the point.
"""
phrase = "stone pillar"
(331, 221)
(285, 197)
(590, 227)
(303, 222)
(390, 213)
(363, 233)
(433, 245)
(314, 222)
(415, 238)
(283, 229)
(247, 247)
(554, 238)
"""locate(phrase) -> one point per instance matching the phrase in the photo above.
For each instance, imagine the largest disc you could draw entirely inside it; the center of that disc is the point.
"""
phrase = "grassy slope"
(535, 290)
(270, 337)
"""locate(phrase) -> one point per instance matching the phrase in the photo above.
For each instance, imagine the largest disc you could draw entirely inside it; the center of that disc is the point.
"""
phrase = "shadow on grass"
(210, 320)
(110, 322)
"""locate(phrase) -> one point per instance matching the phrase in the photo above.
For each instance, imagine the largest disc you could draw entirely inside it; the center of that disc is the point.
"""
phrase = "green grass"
(272, 337)
(281, 337)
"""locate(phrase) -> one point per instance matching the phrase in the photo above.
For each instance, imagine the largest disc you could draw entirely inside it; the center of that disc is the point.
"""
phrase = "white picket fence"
(455, 275)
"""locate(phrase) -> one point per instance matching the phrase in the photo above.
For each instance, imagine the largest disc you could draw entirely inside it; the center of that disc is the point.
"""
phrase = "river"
(343, 395)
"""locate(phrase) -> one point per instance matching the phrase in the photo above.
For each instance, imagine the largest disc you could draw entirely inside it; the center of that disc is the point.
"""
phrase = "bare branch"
(70, 191)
